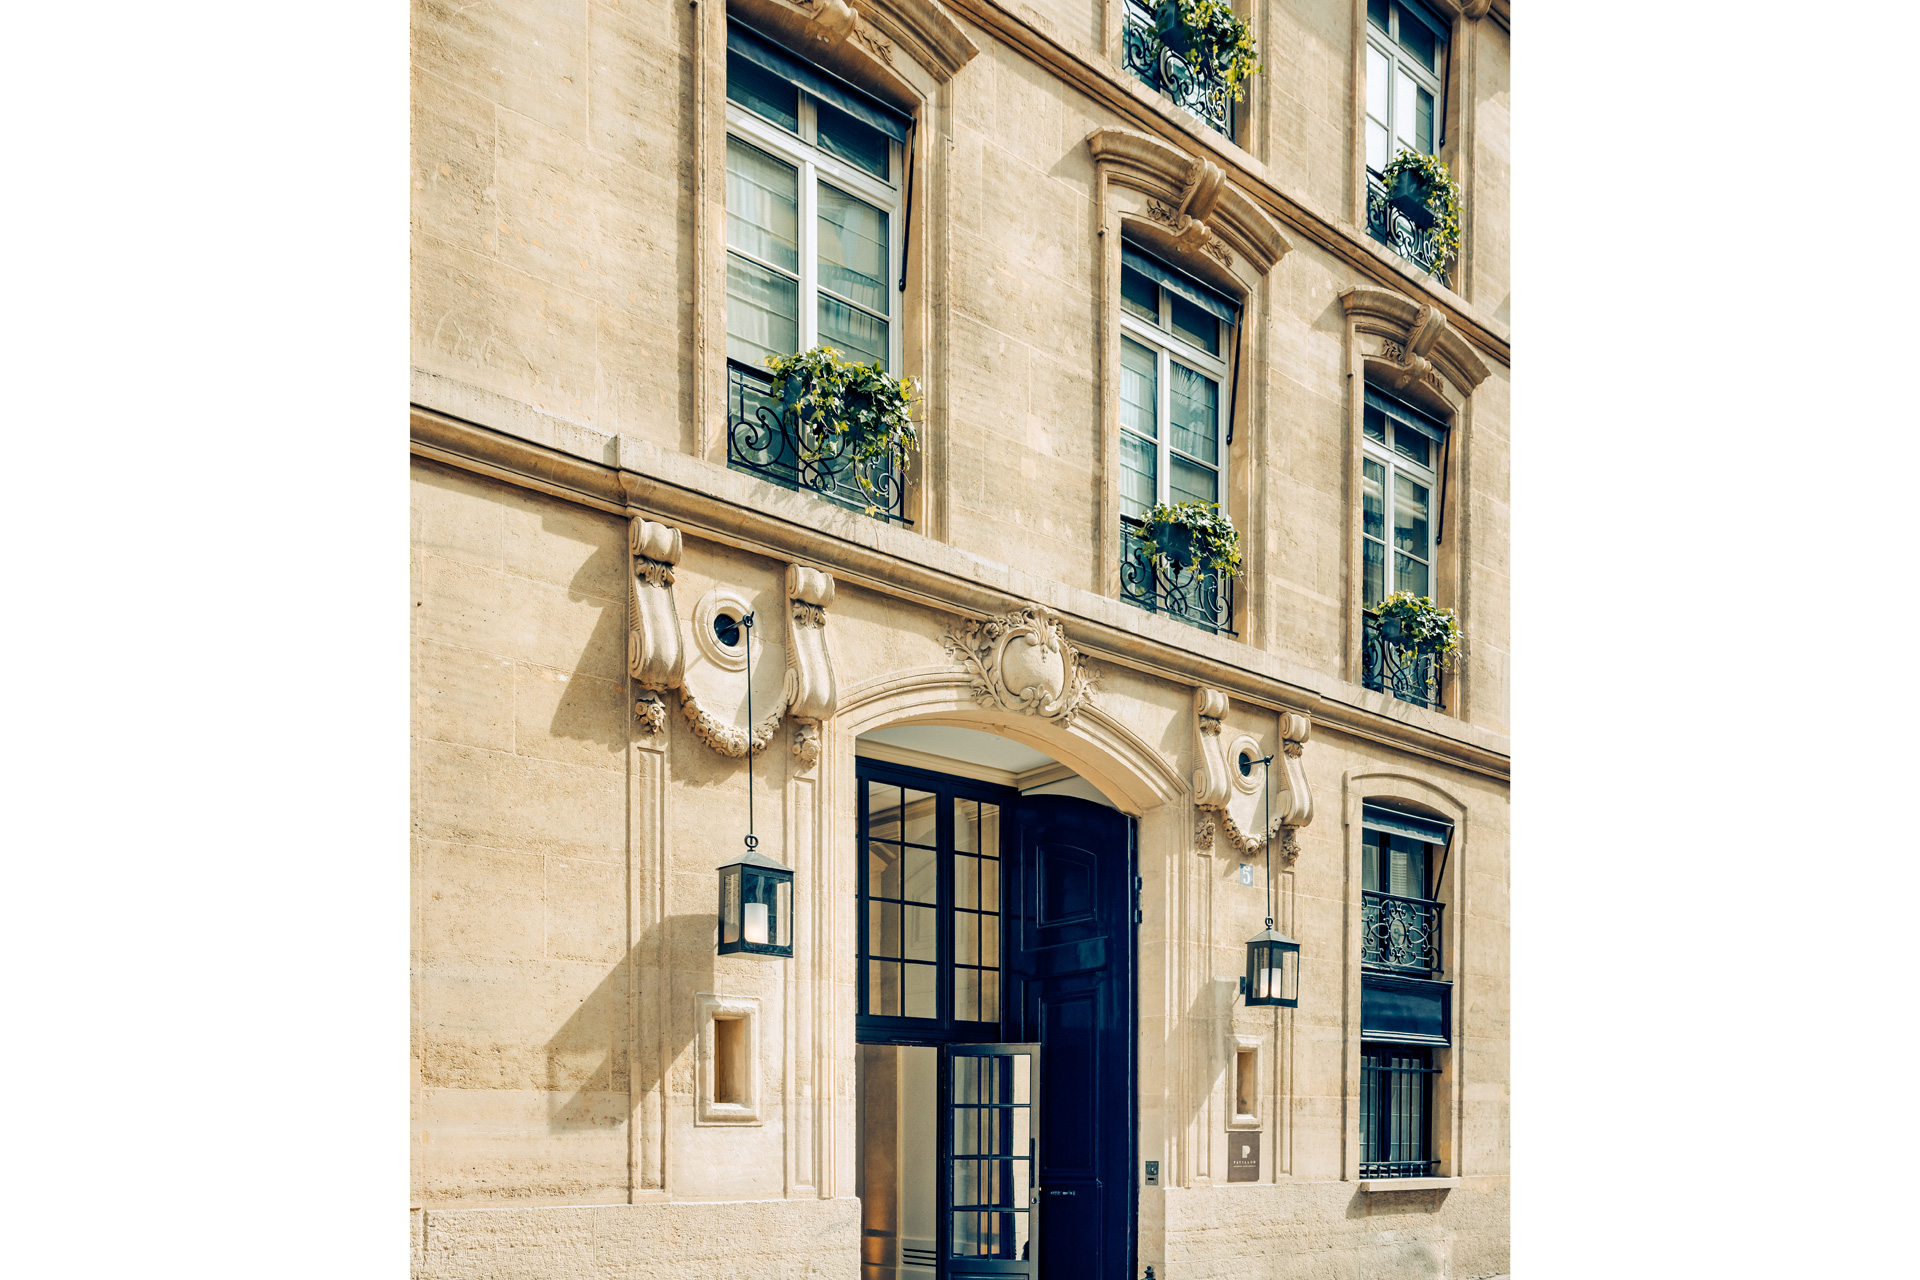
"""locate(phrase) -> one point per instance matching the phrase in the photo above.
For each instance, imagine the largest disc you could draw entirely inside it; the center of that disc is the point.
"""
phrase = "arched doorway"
(996, 989)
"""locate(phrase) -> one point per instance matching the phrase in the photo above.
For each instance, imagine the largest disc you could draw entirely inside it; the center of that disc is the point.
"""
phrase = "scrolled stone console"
(657, 652)
(1227, 817)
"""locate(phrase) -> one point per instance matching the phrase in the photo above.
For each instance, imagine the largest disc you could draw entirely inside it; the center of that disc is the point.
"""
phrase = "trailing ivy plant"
(1428, 630)
(1216, 543)
(859, 412)
(1443, 199)
(1217, 38)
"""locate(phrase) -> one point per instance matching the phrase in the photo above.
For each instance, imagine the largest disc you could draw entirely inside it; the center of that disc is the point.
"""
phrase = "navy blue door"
(1069, 977)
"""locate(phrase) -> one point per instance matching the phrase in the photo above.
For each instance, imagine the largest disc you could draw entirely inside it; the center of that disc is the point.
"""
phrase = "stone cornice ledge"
(624, 475)
(1021, 27)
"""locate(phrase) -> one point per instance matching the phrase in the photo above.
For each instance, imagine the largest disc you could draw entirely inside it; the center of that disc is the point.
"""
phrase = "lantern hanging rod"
(753, 841)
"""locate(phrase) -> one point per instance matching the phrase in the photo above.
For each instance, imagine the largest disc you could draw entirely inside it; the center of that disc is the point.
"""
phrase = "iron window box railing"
(1148, 57)
(764, 440)
(1198, 597)
(1386, 667)
(1399, 933)
(1395, 230)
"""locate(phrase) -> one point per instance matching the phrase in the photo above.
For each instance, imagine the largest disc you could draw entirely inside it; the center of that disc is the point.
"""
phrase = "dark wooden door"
(1069, 959)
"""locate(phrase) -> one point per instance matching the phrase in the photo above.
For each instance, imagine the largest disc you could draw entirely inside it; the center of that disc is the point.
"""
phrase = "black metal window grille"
(1391, 668)
(1396, 1108)
(1198, 597)
(930, 905)
(765, 440)
(1196, 88)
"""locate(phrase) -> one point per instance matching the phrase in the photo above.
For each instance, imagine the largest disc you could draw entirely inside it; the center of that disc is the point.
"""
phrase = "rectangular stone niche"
(729, 1084)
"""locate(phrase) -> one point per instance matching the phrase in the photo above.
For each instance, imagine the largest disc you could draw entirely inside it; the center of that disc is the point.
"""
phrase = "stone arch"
(1096, 745)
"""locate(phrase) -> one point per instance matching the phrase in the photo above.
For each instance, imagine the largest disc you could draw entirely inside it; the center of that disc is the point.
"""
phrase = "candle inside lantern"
(1270, 982)
(756, 922)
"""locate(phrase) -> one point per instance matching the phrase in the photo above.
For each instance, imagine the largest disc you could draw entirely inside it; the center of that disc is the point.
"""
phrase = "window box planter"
(1408, 195)
(1186, 535)
(1172, 29)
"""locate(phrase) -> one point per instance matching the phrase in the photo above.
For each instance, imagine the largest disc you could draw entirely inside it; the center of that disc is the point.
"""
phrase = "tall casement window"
(929, 906)
(1175, 402)
(1405, 1007)
(814, 197)
(1401, 455)
(1406, 107)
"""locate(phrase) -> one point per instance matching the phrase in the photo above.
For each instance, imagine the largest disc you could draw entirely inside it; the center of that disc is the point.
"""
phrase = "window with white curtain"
(1400, 454)
(813, 221)
(1406, 70)
(1173, 380)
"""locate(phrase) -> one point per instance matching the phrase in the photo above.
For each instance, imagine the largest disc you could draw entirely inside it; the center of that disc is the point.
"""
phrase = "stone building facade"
(1036, 791)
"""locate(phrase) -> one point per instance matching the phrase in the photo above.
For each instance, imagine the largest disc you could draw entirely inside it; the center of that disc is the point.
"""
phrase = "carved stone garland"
(810, 694)
(1294, 806)
(1022, 661)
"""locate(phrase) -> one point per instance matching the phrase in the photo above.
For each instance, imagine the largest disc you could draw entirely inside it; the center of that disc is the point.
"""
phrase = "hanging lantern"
(756, 893)
(1273, 970)
(1273, 959)
(756, 907)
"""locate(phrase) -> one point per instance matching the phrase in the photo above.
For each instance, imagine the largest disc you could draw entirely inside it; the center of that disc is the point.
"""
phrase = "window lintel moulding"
(867, 42)
(1201, 215)
(1417, 345)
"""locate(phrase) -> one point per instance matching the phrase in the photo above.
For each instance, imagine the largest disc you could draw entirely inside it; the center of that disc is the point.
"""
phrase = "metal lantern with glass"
(756, 893)
(1273, 959)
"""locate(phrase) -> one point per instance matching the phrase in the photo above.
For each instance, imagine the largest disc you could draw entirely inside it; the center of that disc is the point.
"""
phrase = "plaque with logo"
(1243, 1155)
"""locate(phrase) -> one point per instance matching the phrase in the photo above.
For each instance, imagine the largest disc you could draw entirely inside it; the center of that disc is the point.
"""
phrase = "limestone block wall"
(520, 846)
(557, 260)
(775, 1239)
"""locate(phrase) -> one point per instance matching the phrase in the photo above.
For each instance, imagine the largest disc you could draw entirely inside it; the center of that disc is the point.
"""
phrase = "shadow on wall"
(590, 711)
(587, 1066)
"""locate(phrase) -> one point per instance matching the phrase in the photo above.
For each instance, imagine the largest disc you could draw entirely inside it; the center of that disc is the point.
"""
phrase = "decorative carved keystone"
(1022, 661)
(811, 692)
(655, 659)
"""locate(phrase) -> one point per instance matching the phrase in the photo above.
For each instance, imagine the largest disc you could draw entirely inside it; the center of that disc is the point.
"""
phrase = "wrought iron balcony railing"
(1147, 56)
(764, 440)
(1391, 668)
(1399, 933)
(1198, 597)
(1393, 229)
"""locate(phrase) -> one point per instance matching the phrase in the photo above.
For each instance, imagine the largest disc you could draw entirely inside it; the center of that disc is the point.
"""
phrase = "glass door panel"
(991, 1100)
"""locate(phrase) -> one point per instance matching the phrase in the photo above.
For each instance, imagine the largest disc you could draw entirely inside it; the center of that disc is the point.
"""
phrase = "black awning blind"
(1411, 825)
(1207, 299)
(1400, 411)
(818, 81)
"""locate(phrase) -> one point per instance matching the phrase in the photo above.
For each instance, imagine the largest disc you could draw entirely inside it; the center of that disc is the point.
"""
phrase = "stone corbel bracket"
(811, 692)
(1296, 810)
(1210, 780)
(1191, 198)
(1419, 351)
(655, 658)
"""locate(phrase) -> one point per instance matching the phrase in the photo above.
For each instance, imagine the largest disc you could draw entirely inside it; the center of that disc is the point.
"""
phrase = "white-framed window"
(813, 224)
(1173, 388)
(1400, 452)
(1406, 67)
